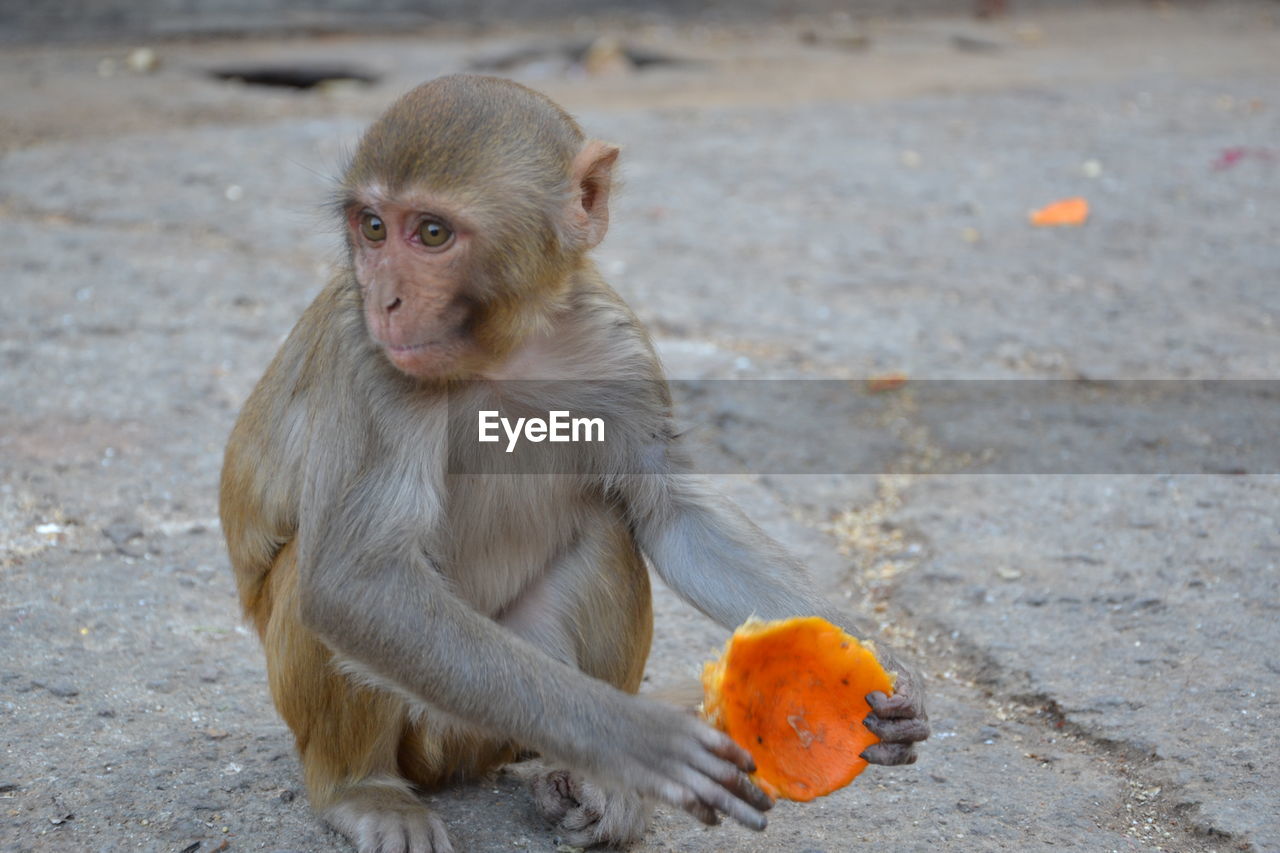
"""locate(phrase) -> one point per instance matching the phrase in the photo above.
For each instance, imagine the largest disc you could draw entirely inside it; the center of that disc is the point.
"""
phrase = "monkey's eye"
(372, 227)
(434, 234)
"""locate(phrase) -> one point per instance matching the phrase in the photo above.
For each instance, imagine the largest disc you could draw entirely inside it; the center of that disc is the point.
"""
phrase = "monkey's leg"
(348, 734)
(592, 609)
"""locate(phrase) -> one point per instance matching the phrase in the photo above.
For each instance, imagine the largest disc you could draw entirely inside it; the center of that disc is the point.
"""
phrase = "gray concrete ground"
(1103, 652)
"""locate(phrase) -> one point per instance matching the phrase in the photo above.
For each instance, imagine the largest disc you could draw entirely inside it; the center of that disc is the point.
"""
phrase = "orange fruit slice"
(793, 694)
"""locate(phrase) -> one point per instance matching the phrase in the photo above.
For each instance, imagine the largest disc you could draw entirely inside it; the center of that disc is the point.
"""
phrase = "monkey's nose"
(393, 304)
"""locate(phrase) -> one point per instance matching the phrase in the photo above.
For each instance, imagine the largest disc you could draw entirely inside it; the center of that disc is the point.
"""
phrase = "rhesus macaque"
(423, 625)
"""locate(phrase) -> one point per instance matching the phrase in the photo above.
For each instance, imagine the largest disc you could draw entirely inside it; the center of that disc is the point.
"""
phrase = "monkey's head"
(467, 207)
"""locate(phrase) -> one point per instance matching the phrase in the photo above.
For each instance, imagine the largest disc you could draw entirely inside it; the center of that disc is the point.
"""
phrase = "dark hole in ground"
(293, 76)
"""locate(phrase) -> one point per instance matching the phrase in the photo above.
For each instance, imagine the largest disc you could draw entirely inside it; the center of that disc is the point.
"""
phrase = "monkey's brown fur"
(422, 624)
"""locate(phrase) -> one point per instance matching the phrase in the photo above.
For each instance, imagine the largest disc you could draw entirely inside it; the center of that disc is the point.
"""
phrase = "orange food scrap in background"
(886, 382)
(793, 694)
(1067, 211)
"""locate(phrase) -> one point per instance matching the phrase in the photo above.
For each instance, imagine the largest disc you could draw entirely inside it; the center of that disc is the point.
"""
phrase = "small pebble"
(122, 532)
(62, 689)
(142, 60)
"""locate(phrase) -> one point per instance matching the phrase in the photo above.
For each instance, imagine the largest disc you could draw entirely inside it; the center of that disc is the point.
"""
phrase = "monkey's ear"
(592, 176)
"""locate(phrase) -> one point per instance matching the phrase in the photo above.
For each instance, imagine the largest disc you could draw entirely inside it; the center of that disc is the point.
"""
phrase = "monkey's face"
(410, 260)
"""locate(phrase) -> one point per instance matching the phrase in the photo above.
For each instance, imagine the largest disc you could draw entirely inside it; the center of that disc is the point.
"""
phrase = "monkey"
(427, 616)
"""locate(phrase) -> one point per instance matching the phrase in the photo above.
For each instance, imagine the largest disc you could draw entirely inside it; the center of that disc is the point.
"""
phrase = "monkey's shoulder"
(594, 336)
(308, 383)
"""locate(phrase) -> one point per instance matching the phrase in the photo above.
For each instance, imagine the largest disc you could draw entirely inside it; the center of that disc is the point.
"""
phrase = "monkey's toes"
(389, 821)
(586, 815)
(553, 794)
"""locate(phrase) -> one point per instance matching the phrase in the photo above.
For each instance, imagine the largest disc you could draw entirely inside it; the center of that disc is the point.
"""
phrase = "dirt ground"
(820, 199)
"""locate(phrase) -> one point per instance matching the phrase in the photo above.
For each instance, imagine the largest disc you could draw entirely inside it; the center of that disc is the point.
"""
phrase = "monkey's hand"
(899, 720)
(682, 761)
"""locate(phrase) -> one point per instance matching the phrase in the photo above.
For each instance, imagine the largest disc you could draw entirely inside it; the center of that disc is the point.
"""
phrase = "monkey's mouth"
(426, 359)
(406, 349)
(448, 340)
(415, 352)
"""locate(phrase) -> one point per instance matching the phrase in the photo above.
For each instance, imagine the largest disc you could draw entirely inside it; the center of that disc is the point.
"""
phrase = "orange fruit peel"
(793, 694)
(1068, 211)
(886, 382)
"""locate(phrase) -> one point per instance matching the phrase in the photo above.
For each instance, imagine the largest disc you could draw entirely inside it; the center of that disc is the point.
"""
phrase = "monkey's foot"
(587, 815)
(386, 817)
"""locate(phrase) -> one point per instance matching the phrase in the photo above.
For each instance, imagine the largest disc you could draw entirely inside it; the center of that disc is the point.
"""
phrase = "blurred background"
(874, 194)
(114, 18)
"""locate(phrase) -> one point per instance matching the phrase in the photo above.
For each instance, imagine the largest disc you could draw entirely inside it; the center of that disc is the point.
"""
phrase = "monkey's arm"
(370, 591)
(715, 558)
(262, 469)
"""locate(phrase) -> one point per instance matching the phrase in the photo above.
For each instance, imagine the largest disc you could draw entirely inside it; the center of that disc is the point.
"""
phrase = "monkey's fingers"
(906, 730)
(714, 777)
(890, 754)
(735, 804)
(896, 707)
(734, 781)
(724, 746)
